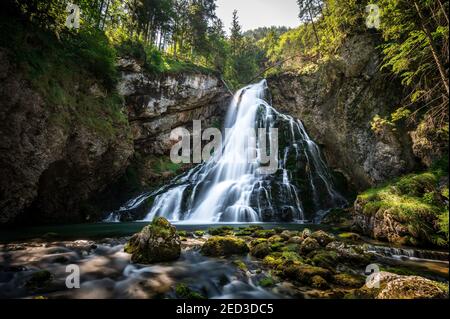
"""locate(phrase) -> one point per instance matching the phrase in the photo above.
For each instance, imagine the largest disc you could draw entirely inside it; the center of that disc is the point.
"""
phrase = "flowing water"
(230, 188)
(106, 271)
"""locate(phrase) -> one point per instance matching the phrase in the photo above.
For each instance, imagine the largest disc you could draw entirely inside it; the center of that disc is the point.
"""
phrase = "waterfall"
(230, 188)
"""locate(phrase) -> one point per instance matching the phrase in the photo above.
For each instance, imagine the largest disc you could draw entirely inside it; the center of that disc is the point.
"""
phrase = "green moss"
(277, 246)
(182, 233)
(350, 236)
(199, 233)
(319, 283)
(224, 246)
(146, 247)
(264, 233)
(241, 265)
(302, 273)
(415, 201)
(267, 282)
(260, 250)
(273, 260)
(324, 258)
(221, 231)
(184, 292)
(349, 280)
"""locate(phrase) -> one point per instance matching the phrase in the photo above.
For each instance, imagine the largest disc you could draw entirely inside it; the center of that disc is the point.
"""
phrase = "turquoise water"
(105, 230)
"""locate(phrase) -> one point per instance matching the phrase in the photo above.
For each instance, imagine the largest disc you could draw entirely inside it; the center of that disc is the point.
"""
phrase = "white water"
(229, 188)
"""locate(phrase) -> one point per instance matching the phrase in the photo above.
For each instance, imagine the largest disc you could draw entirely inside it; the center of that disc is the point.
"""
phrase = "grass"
(416, 200)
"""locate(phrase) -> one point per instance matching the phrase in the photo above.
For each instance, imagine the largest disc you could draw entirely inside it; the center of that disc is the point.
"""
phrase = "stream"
(106, 271)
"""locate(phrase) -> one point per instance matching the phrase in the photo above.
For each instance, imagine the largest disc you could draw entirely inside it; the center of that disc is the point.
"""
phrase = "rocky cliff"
(54, 159)
(337, 101)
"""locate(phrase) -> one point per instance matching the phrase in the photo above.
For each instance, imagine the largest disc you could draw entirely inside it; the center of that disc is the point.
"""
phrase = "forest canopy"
(177, 35)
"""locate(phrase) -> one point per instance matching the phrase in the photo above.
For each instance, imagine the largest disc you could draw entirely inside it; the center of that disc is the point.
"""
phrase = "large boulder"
(412, 287)
(157, 242)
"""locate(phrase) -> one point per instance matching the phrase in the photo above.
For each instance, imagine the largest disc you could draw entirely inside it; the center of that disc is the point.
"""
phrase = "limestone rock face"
(50, 167)
(157, 242)
(54, 163)
(337, 103)
(158, 104)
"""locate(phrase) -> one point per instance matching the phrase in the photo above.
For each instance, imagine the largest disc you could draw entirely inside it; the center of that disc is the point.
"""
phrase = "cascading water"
(229, 188)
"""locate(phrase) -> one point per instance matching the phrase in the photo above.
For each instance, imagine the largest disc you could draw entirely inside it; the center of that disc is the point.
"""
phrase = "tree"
(236, 33)
(416, 35)
(310, 10)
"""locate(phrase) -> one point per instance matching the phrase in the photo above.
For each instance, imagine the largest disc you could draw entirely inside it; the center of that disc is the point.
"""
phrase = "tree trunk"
(436, 57)
(313, 25)
(443, 10)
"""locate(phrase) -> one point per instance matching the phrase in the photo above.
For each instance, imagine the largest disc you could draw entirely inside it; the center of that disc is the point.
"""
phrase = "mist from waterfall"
(229, 188)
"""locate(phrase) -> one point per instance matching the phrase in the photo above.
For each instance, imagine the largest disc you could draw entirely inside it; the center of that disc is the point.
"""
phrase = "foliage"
(416, 49)
(415, 200)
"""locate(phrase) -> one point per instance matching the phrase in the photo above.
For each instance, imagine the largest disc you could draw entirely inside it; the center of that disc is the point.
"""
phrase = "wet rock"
(349, 280)
(276, 239)
(260, 250)
(184, 292)
(295, 240)
(322, 237)
(324, 258)
(319, 283)
(308, 245)
(157, 242)
(224, 246)
(412, 287)
(302, 272)
(286, 234)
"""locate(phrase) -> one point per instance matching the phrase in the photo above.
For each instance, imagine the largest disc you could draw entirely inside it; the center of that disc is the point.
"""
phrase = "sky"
(259, 13)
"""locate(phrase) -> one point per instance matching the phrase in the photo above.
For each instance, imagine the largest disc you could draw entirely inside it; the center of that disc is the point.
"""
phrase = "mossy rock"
(260, 250)
(266, 233)
(305, 233)
(199, 233)
(308, 245)
(287, 234)
(349, 280)
(324, 258)
(182, 233)
(39, 280)
(257, 241)
(273, 261)
(350, 236)
(248, 231)
(221, 231)
(319, 283)
(413, 287)
(302, 273)
(267, 282)
(224, 246)
(184, 292)
(157, 242)
(276, 239)
(323, 238)
(241, 265)
(295, 240)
